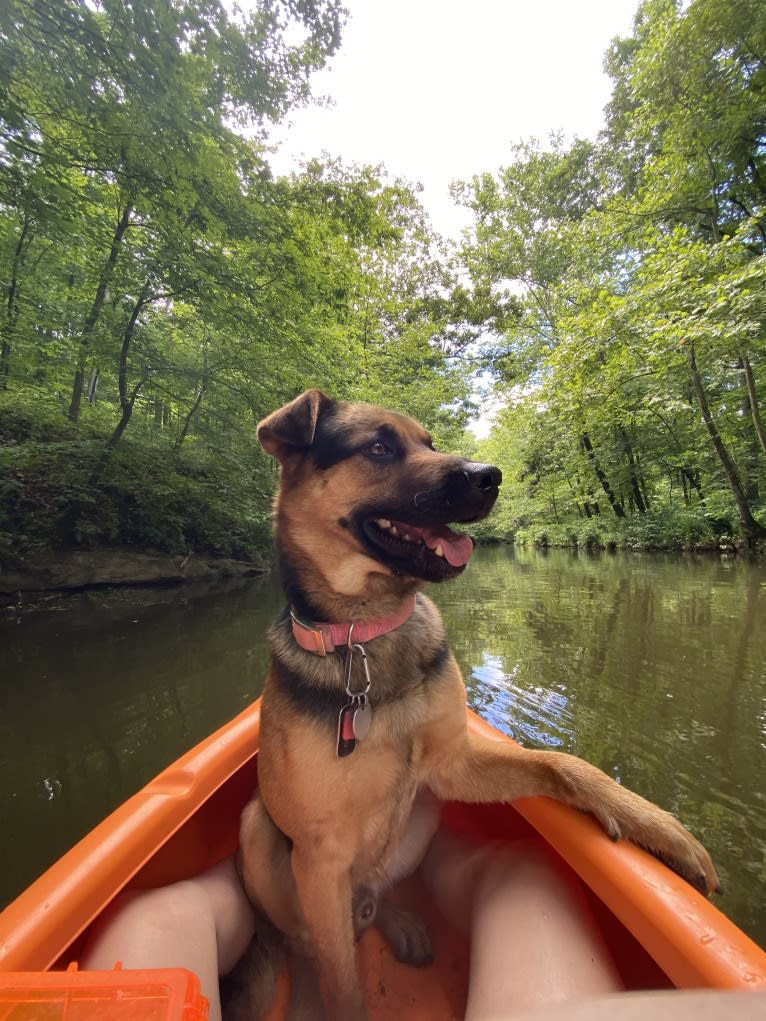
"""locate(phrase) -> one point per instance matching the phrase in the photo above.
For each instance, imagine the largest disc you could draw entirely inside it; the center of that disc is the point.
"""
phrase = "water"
(653, 667)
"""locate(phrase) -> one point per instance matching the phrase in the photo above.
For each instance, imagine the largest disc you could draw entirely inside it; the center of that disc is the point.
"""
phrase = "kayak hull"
(660, 930)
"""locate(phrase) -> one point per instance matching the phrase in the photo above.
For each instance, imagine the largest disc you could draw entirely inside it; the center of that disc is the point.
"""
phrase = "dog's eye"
(379, 449)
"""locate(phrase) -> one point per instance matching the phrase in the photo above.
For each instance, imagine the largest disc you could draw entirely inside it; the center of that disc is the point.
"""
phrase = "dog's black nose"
(482, 476)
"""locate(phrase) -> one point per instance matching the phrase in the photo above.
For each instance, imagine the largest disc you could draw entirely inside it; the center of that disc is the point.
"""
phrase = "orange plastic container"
(160, 994)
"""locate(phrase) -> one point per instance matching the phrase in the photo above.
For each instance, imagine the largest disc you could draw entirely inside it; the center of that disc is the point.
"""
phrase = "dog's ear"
(290, 430)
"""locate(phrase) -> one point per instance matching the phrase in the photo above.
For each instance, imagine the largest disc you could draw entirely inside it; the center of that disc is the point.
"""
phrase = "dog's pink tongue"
(457, 548)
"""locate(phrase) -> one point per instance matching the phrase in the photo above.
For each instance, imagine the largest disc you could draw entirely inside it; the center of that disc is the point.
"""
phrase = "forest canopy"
(163, 289)
(633, 270)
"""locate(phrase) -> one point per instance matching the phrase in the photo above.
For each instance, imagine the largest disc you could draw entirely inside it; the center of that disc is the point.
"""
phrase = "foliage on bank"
(632, 273)
(162, 290)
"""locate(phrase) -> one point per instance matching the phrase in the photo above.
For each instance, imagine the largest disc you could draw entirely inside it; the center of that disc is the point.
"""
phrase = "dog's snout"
(482, 476)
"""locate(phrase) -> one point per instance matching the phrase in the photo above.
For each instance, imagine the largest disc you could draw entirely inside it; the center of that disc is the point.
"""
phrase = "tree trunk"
(573, 491)
(642, 479)
(12, 305)
(190, 416)
(752, 396)
(632, 470)
(694, 479)
(752, 529)
(93, 386)
(114, 439)
(91, 319)
(614, 503)
(5, 362)
(127, 412)
(127, 403)
(197, 401)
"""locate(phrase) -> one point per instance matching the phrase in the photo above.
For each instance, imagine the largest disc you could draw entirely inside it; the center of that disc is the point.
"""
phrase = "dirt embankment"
(113, 568)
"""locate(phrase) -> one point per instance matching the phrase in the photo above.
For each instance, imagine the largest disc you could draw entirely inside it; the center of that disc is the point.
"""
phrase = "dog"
(364, 704)
(282, 938)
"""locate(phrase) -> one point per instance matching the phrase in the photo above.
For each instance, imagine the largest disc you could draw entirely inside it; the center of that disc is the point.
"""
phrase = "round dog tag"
(361, 722)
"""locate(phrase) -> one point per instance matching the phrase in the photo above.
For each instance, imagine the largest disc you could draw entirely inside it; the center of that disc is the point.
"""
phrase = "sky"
(438, 90)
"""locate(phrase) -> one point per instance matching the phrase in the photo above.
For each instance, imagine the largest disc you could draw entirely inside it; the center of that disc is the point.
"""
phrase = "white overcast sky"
(438, 90)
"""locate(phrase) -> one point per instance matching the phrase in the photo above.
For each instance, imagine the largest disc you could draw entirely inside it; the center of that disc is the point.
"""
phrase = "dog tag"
(361, 719)
(354, 722)
(356, 715)
(346, 737)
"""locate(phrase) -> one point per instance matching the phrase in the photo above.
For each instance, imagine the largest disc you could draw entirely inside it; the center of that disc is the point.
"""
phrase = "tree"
(694, 83)
(137, 97)
(637, 267)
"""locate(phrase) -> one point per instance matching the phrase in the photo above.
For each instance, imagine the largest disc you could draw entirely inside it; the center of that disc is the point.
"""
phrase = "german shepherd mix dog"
(364, 705)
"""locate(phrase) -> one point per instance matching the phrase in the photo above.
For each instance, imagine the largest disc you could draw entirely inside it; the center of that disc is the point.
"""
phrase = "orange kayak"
(661, 932)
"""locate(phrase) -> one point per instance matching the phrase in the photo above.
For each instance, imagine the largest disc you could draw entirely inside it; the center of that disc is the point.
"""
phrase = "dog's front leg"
(323, 878)
(484, 770)
(266, 870)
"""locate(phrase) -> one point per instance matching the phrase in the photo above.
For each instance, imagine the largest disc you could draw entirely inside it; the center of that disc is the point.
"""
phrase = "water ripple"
(535, 715)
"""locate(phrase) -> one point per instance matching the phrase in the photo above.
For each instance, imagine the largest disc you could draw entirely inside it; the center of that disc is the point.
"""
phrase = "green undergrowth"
(670, 528)
(148, 495)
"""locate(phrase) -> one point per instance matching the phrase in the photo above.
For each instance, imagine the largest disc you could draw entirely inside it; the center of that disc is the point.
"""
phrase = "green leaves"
(638, 268)
(164, 289)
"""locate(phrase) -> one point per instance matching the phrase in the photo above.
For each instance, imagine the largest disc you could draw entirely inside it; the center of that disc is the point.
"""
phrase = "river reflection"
(100, 693)
(653, 667)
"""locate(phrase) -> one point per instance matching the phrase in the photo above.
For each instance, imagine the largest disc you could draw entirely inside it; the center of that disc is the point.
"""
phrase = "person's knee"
(231, 911)
(140, 925)
(503, 866)
(184, 905)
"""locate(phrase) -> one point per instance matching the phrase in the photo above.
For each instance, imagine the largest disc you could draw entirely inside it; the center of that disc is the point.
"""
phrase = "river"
(651, 666)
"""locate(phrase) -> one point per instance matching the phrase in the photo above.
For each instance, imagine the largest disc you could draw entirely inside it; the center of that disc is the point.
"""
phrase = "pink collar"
(322, 638)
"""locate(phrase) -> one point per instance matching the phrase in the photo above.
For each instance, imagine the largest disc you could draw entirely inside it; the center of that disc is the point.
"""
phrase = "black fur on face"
(394, 493)
(411, 492)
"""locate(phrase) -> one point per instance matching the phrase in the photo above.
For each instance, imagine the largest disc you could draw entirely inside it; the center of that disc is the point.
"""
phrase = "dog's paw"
(623, 814)
(684, 854)
(405, 933)
(666, 838)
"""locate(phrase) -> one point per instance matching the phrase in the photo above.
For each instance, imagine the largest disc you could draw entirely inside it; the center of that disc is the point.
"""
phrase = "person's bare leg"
(203, 924)
(672, 1005)
(534, 941)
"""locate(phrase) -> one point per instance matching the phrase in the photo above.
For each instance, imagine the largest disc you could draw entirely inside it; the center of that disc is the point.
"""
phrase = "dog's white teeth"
(439, 551)
(403, 536)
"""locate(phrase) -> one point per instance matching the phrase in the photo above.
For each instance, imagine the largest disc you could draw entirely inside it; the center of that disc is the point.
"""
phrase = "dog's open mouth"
(437, 547)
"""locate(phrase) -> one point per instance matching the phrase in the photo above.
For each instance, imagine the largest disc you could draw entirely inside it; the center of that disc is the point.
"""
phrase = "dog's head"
(364, 492)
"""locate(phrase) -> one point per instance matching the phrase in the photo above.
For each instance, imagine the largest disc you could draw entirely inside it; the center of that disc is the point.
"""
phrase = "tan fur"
(346, 816)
